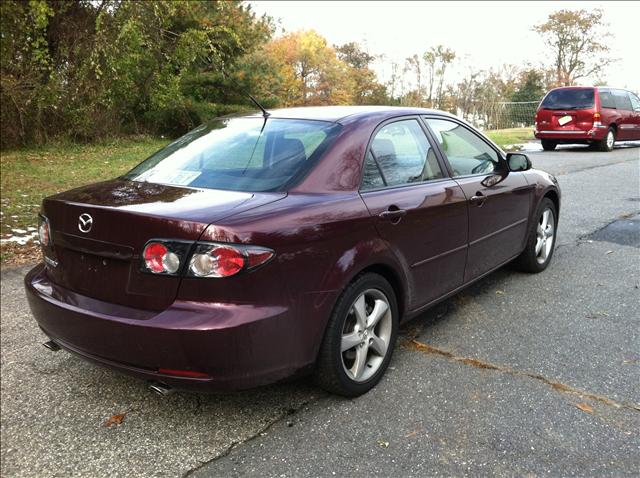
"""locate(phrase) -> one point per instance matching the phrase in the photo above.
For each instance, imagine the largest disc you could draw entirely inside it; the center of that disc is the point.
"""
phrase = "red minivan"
(598, 116)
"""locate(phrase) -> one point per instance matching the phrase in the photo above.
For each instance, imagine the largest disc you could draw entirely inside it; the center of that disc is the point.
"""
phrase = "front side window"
(466, 152)
(400, 154)
(568, 99)
(239, 154)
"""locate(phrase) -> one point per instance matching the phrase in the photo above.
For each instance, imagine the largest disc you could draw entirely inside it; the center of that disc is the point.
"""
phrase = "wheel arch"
(555, 198)
(393, 278)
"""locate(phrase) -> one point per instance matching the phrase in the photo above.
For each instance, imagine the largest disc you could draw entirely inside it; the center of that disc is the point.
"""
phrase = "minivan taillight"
(596, 119)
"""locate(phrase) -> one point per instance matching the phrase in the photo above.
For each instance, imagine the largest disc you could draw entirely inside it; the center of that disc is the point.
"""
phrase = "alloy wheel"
(545, 233)
(610, 139)
(366, 335)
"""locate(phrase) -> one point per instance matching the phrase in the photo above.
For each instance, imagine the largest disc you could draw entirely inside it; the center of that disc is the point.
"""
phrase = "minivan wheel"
(541, 239)
(548, 145)
(606, 144)
(360, 337)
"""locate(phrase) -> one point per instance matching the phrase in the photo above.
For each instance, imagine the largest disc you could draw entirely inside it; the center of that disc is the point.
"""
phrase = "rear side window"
(623, 102)
(240, 154)
(568, 99)
(400, 154)
(606, 99)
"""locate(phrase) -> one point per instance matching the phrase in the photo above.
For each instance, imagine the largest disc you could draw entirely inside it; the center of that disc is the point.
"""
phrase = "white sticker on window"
(178, 177)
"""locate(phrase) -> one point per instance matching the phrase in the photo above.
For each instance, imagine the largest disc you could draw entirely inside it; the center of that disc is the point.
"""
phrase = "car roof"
(339, 114)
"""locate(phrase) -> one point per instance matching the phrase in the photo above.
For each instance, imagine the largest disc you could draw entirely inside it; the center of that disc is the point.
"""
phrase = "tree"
(437, 59)
(366, 88)
(578, 42)
(530, 86)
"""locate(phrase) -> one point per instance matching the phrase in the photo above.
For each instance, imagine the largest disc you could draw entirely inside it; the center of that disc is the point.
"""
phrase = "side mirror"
(518, 162)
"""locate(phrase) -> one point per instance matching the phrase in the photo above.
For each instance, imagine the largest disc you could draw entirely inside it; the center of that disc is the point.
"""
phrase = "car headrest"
(383, 148)
(289, 148)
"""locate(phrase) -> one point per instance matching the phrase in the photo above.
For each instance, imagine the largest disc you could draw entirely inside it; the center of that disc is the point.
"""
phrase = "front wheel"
(541, 239)
(359, 338)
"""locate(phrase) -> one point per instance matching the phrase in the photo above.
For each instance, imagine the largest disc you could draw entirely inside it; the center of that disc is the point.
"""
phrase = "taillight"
(222, 260)
(596, 119)
(201, 259)
(164, 257)
(44, 231)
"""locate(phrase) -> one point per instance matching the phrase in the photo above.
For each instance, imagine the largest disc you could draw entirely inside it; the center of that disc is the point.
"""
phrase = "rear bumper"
(238, 346)
(568, 136)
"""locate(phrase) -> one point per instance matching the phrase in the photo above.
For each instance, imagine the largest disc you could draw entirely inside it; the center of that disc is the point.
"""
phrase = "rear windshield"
(568, 99)
(240, 154)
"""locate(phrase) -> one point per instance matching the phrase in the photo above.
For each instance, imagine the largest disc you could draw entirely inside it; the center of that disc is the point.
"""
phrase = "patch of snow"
(22, 240)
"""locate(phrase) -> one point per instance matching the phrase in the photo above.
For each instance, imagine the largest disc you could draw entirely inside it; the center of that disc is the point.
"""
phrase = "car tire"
(606, 144)
(548, 145)
(352, 371)
(538, 252)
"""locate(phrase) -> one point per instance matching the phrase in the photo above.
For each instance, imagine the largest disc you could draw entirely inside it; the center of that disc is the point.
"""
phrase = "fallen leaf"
(584, 407)
(115, 420)
(412, 434)
(609, 252)
(500, 292)
(382, 443)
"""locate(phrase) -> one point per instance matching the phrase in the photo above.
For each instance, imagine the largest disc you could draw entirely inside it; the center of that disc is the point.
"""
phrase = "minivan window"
(467, 153)
(606, 99)
(568, 99)
(623, 102)
(635, 102)
(400, 153)
(239, 154)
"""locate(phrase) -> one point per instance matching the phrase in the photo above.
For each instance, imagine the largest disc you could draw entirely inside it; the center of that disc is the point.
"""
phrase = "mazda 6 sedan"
(269, 246)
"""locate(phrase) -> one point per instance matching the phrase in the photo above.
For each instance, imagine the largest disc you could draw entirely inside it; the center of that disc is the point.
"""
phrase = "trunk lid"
(104, 262)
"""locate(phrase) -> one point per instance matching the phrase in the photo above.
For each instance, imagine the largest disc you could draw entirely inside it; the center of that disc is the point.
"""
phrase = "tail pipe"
(161, 389)
(51, 345)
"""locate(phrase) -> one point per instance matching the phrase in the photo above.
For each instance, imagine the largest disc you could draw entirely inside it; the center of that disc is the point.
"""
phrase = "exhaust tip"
(160, 388)
(51, 345)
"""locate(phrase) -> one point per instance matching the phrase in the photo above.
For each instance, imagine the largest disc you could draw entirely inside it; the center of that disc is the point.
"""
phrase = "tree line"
(88, 69)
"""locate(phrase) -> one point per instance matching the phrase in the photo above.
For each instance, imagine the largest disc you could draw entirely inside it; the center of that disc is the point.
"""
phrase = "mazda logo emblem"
(85, 221)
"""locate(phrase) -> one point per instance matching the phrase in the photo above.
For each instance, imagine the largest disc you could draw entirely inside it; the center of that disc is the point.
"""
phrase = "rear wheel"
(548, 145)
(359, 338)
(541, 240)
(606, 144)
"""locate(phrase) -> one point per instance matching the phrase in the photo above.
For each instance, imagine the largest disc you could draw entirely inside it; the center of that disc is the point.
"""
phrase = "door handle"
(478, 199)
(393, 215)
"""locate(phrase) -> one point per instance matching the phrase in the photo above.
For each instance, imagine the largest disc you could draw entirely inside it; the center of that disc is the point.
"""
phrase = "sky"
(483, 34)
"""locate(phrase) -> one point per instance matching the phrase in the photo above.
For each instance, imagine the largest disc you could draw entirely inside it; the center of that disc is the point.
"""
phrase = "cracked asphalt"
(517, 375)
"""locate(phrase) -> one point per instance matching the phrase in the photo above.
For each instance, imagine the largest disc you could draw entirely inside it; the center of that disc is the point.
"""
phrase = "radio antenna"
(265, 113)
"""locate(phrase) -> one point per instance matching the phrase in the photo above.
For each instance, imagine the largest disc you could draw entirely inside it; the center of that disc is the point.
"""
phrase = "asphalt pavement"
(517, 375)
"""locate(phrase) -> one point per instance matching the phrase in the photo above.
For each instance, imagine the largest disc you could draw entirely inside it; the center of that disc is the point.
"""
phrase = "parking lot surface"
(518, 374)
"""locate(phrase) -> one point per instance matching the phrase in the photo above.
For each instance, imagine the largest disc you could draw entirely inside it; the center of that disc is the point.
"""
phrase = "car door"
(419, 211)
(635, 118)
(498, 201)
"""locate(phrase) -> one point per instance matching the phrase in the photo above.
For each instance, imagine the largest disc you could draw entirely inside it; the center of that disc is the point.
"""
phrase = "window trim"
(443, 167)
(501, 158)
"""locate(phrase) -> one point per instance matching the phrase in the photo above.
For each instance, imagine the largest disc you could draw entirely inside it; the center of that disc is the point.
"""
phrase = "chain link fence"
(492, 115)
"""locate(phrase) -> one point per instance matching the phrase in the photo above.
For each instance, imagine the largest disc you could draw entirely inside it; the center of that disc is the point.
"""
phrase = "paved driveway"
(519, 374)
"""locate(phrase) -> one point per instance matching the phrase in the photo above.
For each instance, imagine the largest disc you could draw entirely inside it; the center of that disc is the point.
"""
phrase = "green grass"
(507, 137)
(29, 175)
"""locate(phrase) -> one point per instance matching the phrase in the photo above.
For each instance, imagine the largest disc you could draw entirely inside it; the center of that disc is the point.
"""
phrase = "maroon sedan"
(262, 247)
